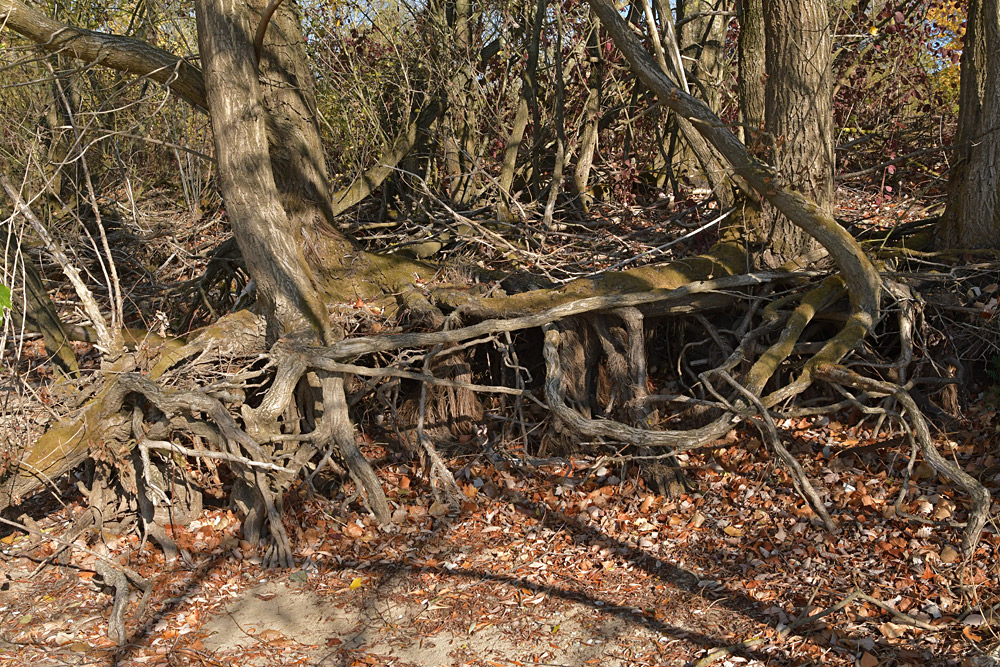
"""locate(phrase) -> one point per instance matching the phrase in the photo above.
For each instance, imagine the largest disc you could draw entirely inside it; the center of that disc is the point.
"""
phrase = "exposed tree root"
(282, 413)
(979, 512)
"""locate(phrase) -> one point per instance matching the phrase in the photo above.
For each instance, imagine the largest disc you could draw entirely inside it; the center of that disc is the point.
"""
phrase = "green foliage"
(5, 302)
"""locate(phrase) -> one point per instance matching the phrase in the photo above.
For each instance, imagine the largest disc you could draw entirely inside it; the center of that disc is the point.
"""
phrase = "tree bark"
(36, 305)
(702, 36)
(798, 114)
(752, 74)
(972, 217)
(689, 140)
(273, 255)
(296, 149)
(528, 98)
(591, 116)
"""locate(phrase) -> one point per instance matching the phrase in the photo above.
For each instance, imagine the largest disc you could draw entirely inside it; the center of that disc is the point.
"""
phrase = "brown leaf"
(868, 660)
(733, 531)
(949, 554)
(942, 513)
(890, 630)
(970, 635)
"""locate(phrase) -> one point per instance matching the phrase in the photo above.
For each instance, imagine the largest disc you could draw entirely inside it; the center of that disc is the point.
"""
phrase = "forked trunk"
(268, 240)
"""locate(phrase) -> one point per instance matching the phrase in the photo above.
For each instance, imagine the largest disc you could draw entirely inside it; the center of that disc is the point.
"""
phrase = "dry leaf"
(949, 554)
(891, 630)
(868, 660)
(354, 530)
(970, 635)
(698, 519)
(733, 531)
(439, 509)
(942, 513)
(357, 582)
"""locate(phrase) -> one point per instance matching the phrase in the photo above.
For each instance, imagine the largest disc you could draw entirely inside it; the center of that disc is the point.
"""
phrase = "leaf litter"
(572, 563)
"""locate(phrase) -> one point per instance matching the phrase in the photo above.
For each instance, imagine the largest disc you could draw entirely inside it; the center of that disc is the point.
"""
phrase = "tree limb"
(114, 51)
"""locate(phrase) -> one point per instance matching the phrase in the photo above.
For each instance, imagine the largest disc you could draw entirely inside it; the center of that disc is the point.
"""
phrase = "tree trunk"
(529, 97)
(459, 122)
(555, 186)
(263, 231)
(114, 51)
(703, 40)
(591, 116)
(296, 149)
(752, 73)
(36, 305)
(972, 218)
(798, 115)
(860, 275)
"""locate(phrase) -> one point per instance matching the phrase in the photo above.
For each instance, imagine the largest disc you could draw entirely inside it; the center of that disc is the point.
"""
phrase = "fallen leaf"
(868, 660)
(942, 513)
(891, 630)
(949, 554)
(970, 635)
(438, 509)
(357, 582)
(733, 531)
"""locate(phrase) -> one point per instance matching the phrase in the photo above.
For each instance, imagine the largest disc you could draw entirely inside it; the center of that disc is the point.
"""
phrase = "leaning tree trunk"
(295, 147)
(860, 275)
(528, 98)
(263, 230)
(798, 115)
(35, 304)
(703, 38)
(972, 218)
(686, 139)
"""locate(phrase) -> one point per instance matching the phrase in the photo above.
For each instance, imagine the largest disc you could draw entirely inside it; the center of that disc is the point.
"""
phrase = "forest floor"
(573, 563)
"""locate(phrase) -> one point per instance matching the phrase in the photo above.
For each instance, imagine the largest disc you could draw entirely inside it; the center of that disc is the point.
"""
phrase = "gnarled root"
(979, 512)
